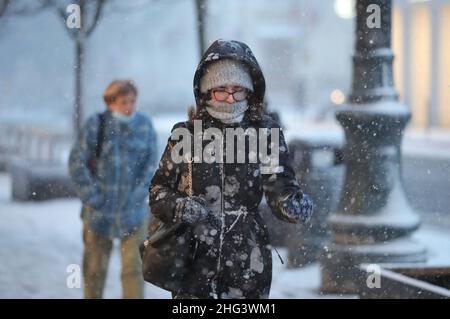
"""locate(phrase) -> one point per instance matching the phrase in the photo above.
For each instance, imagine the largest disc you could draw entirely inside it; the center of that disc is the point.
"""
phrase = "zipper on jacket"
(122, 167)
(222, 221)
(115, 147)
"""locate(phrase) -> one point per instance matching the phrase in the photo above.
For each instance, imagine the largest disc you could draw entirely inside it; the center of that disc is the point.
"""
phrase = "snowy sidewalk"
(38, 241)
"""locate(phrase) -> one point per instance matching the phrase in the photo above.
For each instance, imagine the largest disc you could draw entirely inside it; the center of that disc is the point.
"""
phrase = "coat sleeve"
(282, 190)
(84, 148)
(164, 186)
(140, 192)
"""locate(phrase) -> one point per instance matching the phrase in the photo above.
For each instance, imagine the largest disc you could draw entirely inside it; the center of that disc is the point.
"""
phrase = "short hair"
(118, 88)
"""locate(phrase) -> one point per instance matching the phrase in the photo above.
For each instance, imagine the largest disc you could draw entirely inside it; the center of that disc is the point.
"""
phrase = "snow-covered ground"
(39, 240)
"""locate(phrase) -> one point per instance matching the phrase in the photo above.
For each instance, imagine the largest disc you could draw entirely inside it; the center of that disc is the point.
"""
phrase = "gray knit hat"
(226, 72)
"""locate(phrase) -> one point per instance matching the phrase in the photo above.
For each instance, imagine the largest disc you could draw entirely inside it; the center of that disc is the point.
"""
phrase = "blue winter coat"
(114, 196)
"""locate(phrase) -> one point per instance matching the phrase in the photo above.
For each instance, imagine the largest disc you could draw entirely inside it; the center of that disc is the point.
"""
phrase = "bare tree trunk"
(78, 107)
(3, 6)
(201, 16)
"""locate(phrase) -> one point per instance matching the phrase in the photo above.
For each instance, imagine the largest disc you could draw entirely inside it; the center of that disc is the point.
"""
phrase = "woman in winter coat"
(232, 257)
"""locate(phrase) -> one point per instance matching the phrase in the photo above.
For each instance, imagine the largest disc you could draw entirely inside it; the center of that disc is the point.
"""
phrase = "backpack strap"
(100, 134)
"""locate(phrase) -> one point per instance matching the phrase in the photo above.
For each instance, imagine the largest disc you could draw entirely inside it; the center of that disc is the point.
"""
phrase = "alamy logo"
(73, 21)
(74, 278)
(374, 279)
(374, 19)
(213, 152)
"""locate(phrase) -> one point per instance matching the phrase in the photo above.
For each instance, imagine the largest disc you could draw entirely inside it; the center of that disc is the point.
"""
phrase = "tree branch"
(3, 6)
(26, 9)
(98, 12)
(61, 12)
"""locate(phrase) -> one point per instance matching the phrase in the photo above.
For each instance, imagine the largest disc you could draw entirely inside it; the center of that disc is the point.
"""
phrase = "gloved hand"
(191, 210)
(297, 207)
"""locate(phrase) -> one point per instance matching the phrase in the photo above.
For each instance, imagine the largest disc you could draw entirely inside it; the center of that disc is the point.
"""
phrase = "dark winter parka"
(233, 258)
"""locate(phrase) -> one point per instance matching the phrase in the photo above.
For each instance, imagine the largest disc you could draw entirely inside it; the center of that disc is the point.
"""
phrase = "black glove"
(297, 207)
(191, 210)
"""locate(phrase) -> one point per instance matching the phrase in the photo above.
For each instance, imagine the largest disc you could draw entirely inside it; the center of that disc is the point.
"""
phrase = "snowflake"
(212, 56)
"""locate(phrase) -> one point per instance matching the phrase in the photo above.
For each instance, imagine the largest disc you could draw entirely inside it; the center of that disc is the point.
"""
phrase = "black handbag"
(167, 251)
(165, 255)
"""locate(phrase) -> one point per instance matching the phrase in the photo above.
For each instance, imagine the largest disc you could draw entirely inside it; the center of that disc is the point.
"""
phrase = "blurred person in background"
(111, 166)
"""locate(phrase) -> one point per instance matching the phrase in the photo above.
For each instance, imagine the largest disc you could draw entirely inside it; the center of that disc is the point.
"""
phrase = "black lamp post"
(374, 221)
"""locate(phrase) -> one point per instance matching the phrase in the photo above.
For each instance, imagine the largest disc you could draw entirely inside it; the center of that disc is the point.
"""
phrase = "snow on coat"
(114, 196)
(233, 257)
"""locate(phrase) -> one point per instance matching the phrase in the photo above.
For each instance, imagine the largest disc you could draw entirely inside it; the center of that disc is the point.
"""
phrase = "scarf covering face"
(123, 118)
(225, 112)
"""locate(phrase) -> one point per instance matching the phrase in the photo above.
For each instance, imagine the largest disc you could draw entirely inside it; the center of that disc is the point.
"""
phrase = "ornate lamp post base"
(374, 221)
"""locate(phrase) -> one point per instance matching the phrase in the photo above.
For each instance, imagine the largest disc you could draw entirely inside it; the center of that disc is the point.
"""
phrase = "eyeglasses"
(222, 95)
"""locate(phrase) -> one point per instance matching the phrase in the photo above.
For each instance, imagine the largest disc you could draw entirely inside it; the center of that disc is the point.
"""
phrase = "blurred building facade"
(305, 48)
(421, 44)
